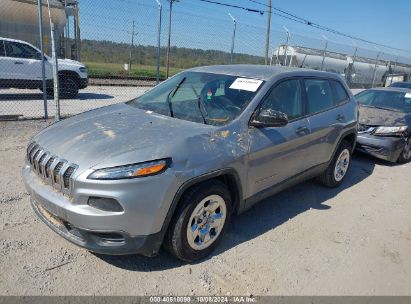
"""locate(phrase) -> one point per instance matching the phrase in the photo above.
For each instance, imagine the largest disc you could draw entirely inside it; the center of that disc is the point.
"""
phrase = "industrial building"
(19, 19)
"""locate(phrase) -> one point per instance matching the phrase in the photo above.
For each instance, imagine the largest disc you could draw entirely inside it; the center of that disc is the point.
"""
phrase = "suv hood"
(122, 134)
(67, 63)
(380, 117)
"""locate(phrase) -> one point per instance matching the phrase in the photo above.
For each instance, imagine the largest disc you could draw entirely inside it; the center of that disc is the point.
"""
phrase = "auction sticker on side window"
(246, 84)
(407, 95)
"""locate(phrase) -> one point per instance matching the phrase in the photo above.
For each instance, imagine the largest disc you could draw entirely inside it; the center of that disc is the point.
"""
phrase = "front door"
(279, 153)
(24, 62)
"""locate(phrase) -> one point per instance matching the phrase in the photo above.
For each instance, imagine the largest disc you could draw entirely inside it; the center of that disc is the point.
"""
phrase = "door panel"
(326, 119)
(276, 154)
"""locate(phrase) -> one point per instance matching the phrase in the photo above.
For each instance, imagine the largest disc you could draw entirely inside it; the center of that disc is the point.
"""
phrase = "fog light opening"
(105, 204)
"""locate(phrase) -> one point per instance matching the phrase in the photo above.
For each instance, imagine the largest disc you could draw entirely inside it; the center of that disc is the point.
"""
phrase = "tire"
(184, 236)
(333, 177)
(405, 155)
(69, 87)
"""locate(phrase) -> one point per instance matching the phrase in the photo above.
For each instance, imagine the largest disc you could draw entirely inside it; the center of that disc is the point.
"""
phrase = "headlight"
(132, 171)
(390, 130)
(83, 70)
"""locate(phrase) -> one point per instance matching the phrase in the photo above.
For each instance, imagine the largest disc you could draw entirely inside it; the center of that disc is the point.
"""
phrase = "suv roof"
(263, 72)
(13, 40)
(392, 89)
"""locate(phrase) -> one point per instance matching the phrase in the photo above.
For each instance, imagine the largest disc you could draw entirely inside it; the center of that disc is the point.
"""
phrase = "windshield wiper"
(171, 95)
(200, 102)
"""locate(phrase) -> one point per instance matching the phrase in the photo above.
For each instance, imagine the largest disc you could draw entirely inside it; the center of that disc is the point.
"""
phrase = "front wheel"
(405, 155)
(200, 221)
(69, 87)
(338, 168)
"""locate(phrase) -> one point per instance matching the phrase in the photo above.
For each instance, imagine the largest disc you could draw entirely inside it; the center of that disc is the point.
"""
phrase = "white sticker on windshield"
(246, 84)
(407, 95)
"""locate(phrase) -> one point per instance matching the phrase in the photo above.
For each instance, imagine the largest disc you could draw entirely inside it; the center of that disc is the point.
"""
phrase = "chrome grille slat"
(53, 170)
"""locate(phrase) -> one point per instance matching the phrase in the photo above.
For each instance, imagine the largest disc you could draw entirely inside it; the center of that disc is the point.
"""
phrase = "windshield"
(213, 99)
(394, 101)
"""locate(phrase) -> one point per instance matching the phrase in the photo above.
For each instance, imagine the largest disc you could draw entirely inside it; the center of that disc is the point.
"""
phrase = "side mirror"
(269, 118)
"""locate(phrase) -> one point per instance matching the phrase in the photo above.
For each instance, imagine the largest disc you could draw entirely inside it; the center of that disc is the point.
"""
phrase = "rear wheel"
(200, 221)
(405, 155)
(338, 168)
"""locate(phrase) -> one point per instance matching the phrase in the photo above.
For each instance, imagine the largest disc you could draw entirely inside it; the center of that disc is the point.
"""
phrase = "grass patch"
(101, 69)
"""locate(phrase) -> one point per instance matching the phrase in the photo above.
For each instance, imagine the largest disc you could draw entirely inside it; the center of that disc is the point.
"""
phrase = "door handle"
(340, 117)
(18, 62)
(301, 129)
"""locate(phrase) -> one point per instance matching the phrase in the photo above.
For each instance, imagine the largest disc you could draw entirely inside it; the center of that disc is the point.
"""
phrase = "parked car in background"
(20, 67)
(172, 166)
(405, 85)
(385, 123)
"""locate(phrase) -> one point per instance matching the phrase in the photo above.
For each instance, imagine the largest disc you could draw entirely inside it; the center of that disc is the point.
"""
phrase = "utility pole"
(267, 36)
(43, 64)
(233, 38)
(169, 38)
(131, 47)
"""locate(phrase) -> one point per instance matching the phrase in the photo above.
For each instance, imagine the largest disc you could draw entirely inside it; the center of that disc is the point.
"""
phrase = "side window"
(2, 51)
(286, 98)
(340, 94)
(20, 50)
(319, 95)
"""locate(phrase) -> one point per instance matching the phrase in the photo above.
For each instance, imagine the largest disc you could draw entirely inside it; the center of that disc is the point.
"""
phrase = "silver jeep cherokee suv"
(172, 166)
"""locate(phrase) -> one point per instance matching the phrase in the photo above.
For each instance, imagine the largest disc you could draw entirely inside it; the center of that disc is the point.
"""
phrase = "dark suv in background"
(172, 166)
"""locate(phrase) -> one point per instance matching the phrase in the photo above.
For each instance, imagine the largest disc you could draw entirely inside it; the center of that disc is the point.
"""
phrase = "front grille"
(53, 170)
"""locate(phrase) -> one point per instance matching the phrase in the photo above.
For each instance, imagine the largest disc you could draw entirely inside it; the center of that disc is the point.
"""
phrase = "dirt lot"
(308, 240)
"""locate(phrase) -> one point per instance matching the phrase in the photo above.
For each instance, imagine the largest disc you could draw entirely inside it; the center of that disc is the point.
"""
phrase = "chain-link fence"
(122, 50)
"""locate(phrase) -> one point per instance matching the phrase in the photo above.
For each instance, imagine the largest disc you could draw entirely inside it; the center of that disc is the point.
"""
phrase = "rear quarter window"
(340, 94)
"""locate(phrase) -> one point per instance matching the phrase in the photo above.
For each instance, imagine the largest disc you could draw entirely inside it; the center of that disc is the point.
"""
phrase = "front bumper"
(382, 147)
(135, 230)
(83, 83)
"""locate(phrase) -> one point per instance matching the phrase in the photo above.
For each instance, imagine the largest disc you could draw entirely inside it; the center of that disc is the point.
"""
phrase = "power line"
(235, 6)
(290, 16)
(325, 28)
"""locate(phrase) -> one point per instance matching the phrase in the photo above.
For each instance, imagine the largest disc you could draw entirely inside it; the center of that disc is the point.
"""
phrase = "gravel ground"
(308, 240)
(29, 103)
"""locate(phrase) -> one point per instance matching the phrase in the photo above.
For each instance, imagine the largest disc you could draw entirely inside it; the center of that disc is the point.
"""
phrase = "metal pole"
(131, 48)
(160, 7)
(55, 66)
(233, 38)
(352, 69)
(267, 36)
(78, 39)
(286, 45)
(169, 39)
(43, 63)
(55, 73)
(375, 70)
(325, 49)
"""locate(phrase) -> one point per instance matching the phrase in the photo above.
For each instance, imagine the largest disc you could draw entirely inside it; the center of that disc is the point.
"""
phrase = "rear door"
(278, 153)
(326, 116)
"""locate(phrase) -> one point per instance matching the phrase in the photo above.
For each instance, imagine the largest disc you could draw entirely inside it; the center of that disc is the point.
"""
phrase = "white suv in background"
(20, 67)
